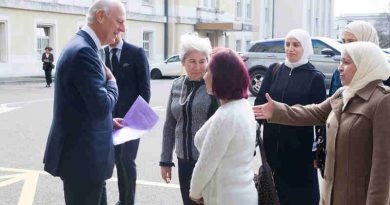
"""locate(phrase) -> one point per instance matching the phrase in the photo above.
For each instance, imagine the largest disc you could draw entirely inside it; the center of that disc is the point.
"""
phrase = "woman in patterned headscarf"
(357, 119)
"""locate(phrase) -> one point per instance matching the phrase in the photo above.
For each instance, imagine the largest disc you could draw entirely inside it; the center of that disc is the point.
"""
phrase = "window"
(43, 39)
(238, 9)
(3, 39)
(147, 43)
(175, 58)
(238, 45)
(248, 45)
(248, 9)
(147, 2)
(268, 47)
(208, 3)
(318, 46)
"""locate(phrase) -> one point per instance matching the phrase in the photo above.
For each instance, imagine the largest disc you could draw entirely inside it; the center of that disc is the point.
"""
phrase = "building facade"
(381, 22)
(28, 26)
(278, 17)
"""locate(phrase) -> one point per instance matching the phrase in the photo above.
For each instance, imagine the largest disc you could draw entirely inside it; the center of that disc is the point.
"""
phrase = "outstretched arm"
(314, 114)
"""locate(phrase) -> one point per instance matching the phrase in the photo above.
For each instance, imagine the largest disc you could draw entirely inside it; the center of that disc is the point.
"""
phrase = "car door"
(327, 64)
(273, 52)
(173, 66)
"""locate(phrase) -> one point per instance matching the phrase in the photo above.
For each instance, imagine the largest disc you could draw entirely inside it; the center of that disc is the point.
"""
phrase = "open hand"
(264, 111)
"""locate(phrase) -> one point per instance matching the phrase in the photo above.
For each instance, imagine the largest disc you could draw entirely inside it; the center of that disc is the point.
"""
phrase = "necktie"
(114, 62)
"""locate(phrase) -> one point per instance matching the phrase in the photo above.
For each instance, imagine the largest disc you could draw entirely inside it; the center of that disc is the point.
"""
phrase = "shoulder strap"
(261, 146)
(275, 70)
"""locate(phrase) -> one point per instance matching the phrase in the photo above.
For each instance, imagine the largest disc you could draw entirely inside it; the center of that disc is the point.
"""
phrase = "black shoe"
(47, 86)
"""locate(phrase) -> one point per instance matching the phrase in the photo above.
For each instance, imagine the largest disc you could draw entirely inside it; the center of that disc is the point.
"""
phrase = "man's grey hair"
(101, 5)
(192, 42)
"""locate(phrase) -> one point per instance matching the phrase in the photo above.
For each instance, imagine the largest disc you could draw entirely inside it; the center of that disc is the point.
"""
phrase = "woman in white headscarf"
(289, 148)
(354, 31)
(357, 119)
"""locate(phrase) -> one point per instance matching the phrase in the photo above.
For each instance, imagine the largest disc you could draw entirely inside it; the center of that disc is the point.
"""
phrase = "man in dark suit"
(47, 66)
(131, 70)
(79, 147)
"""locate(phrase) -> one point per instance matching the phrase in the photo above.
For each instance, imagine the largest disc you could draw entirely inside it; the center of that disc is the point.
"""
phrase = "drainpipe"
(166, 29)
(273, 18)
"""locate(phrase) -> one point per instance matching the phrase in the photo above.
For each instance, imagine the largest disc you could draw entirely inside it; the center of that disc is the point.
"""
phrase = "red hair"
(230, 78)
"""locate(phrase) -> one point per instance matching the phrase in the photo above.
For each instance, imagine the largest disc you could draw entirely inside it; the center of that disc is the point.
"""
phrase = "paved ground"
(25, 117)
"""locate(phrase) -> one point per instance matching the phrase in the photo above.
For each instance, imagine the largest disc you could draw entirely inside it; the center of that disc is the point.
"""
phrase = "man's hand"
(109, 74)
(166, 174)
(118, 123)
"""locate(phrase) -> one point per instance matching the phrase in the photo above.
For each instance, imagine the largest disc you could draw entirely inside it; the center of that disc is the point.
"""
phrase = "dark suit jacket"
(47, 65)
(133, 77)
(79, 146)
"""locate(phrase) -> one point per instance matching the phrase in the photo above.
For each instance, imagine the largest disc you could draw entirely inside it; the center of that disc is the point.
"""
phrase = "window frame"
(4, 46)
(149, 42)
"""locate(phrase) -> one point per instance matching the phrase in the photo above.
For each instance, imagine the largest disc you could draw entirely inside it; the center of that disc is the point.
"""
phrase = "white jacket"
(223, 174)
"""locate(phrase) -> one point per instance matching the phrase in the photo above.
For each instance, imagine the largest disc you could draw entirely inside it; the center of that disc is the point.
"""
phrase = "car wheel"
(155, 74)
(257, 77)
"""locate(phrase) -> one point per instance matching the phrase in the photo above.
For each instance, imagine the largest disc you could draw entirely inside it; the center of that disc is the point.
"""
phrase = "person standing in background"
(289, 148)
(80, 148)
(355, 31)
(130, 67)
(188, 108)
(47, 60)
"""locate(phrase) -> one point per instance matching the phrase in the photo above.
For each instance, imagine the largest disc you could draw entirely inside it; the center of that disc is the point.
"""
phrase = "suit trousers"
(185, 174)
(125, 155)
(84, 193)
(48, 76)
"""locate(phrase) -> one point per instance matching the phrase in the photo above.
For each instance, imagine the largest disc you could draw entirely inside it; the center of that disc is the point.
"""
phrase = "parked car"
(263, 53)
(171, 67)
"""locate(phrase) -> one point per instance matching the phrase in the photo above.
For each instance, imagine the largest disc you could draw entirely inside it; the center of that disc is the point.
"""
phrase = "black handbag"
(321, 148)
(264, 179)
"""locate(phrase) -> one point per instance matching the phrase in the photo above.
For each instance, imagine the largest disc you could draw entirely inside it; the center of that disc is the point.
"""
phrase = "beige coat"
(357, 169)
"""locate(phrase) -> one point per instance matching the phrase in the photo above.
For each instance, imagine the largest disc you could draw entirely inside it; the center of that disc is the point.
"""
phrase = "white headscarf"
(363, 31)
(304, 38)
(371, 65)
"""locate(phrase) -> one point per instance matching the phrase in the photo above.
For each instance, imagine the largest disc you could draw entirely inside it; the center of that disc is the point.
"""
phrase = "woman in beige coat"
(357, 118)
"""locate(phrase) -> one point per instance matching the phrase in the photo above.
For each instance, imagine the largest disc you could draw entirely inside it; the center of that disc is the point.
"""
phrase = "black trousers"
(84, 193)
(291, 194)
(185, 174)
(125, 155)
(48, 76)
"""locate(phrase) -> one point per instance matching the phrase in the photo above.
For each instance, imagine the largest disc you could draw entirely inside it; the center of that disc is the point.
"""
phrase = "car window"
(318, 46)
(268, 47)
(173, 59)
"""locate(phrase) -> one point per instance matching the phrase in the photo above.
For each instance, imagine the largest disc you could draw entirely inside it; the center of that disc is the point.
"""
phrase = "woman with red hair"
(226, 142)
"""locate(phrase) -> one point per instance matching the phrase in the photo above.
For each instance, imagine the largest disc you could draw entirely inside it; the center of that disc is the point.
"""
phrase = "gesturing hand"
(109, 74)
(117, 122)
(266, 110)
